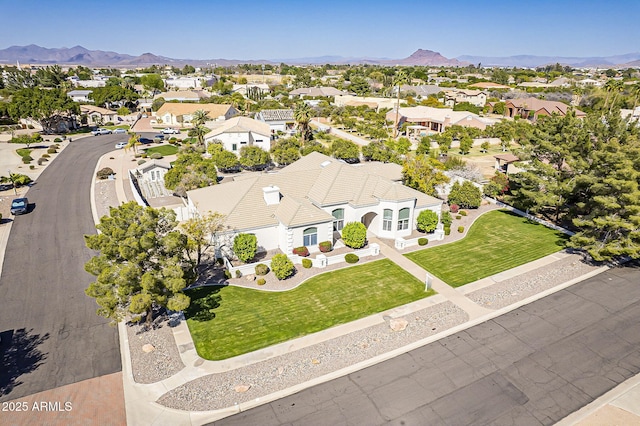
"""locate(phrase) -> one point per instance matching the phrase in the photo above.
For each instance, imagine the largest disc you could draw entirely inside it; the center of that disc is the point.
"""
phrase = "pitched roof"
(153, 163)
(241, 125)
(314, 181)
(214, 110)
(182, 94)
(317, 91)
(276, 114)
(89, 109)
(535, 104)
(489, 85)
(424, 113)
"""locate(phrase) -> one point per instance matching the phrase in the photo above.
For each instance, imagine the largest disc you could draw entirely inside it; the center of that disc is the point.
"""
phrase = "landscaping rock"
(398, 324)
(315, 361)
(250, 277)
(148, 348)
(242, 388)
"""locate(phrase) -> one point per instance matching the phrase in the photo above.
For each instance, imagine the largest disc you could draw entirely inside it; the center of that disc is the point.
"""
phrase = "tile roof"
(317, 91)
(214, 110)
(241, 125)
(276, 115)
(88, 109)
(535, 104)
(314, 181)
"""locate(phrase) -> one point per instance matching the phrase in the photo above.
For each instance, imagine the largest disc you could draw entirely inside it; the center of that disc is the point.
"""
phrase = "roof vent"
(271, 195)
(325, 164)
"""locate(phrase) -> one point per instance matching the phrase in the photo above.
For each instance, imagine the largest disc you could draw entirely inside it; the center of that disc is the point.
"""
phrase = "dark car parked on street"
(19, 206)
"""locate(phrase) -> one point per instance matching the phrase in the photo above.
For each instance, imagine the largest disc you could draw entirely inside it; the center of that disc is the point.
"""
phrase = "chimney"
(271, 195)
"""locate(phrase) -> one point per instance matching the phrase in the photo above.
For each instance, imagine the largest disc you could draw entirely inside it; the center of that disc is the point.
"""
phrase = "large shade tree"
(141, 264)
(52, 108)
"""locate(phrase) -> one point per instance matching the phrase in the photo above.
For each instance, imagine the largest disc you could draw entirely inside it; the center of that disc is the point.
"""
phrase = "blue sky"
(252, 29)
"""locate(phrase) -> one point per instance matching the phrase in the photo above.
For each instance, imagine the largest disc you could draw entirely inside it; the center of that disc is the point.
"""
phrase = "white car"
(101, 132)
(170, 131)
(119, 131)
(121, 145)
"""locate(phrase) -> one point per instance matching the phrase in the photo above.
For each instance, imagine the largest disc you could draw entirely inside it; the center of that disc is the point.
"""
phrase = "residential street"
(534, 365)
(51, 335)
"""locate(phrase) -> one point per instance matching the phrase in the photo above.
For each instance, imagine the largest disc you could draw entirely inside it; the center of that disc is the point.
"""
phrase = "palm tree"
(133, 142)
(401, 78)
(635, 92)
(302, 115)
(612, 86)
(198, 119)
(618, 87)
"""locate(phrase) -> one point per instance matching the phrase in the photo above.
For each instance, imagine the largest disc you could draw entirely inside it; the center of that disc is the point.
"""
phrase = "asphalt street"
(51, 335)
(532, 366)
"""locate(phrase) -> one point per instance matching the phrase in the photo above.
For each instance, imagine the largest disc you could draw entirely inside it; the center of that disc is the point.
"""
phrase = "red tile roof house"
(532, 108)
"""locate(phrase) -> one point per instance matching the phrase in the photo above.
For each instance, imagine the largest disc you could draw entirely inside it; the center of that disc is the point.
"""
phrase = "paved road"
(532, 366)
(51, 335)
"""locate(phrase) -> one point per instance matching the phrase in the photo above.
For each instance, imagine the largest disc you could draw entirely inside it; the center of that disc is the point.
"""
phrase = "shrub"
(141, 161)
(41, 161)
(427, 221)
(354, 235)
(466, 195)
(301, 251)
(156, 156)
(422, 241)
(461, 229)
(446, 219)
(458, 217)
(57, 140)
(454, 208)
(56, 146)
(262, 269)
(227, 274)
(238, 273)
(351, 258)
(245, 246)
(261, 281)
(31, 167)
(463, 213)
(27, 159)
(306, 263)
(52, 150)
(282, 266)
(45, 156)
(21, 180)
(144, 155)
(325, 246)
(104, 173)
(447, 230)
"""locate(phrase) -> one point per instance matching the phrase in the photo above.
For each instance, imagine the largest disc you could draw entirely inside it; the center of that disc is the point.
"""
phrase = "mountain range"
(79, 55)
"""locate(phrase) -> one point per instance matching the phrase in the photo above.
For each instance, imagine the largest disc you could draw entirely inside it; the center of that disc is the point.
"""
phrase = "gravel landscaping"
(219, 390)
(518, 288)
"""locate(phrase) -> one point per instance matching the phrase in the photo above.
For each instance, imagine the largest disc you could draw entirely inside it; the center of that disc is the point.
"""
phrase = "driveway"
(533, 366)
(51, 335)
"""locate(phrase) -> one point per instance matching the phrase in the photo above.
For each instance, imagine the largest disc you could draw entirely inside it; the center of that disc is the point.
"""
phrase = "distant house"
(150, 178)
(421, 91)
(241, 131)
(174, 114)
(97, 115)
(316, 92)
(183, 95)
(80, 95)
(424, 120)
(457, 96)
(242, 88)
(486, 85)
(532, 108)
(183, 82)
(279, 120)
(311, 200)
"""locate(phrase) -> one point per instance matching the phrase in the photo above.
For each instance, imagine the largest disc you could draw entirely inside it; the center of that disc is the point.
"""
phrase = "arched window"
(403, 219)
(387, 219)
(310, 237)
(338, 219)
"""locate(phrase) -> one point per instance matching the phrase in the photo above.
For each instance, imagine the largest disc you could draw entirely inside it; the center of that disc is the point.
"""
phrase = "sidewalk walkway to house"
(204, 391)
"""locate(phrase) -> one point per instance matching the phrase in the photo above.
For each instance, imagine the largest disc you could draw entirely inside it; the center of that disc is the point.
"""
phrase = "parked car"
(159, 137)
(19, 206)
(121, 145)
(145, 140)
(170, 131)
(119, 131)
(97, 132)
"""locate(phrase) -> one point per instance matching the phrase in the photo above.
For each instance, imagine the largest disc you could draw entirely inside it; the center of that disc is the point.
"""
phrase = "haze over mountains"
(79, 55)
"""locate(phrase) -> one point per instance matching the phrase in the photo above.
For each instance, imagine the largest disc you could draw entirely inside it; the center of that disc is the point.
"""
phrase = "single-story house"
(174, 114)
(279, 120)
(240, 131)
(311, 200)
(150, 177)
(242, 88)
(316, 92)
(428, 120)
(487, 85)
(182, 95)
(96, 114)
(183, 82)
(80, 95)
(532, 108)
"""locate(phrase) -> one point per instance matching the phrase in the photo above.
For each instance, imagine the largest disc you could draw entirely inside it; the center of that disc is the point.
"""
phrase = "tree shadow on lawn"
(562, 239)
(204, 301)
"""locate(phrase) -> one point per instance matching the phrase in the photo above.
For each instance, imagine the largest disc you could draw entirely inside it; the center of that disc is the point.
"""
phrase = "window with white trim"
(403, 219)
(387, 219)
(338, 219)
(310, 237)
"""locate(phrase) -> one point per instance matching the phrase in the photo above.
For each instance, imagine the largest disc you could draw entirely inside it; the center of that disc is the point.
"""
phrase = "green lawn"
(229, 321)
(162, 149)
(497, 241)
